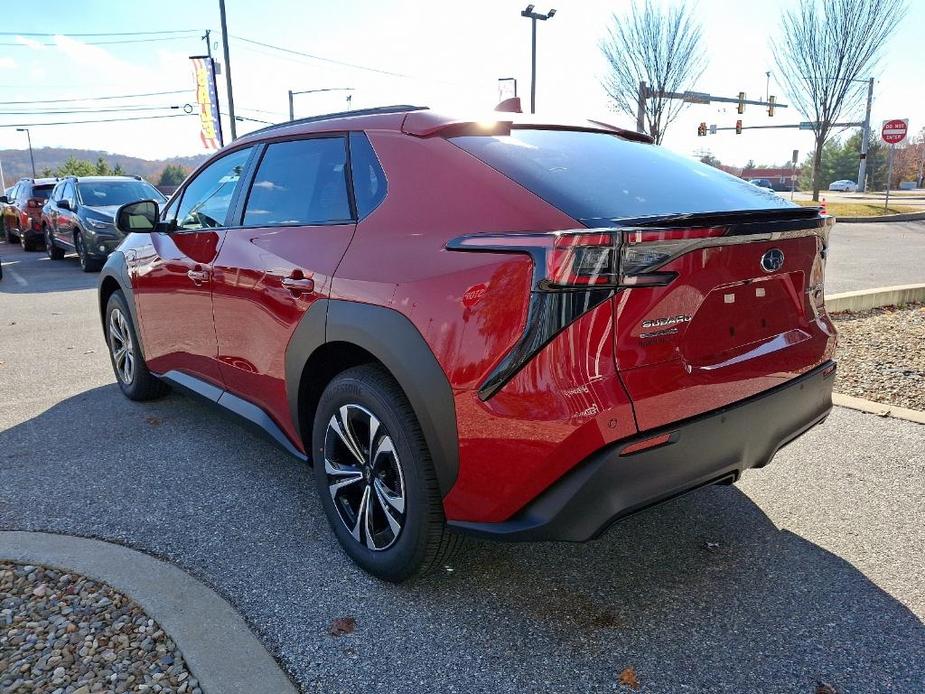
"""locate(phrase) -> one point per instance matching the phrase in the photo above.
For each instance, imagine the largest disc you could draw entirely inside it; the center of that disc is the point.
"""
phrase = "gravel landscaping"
(881, 355)
(61, 633)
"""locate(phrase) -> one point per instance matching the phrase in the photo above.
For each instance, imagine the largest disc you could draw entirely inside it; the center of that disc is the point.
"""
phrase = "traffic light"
(739, 127)
(702, 130)
(741, 108)
(771, 101)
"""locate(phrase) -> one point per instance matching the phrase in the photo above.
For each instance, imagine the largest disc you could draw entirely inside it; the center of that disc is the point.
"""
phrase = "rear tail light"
(597, 258)
(644, 250)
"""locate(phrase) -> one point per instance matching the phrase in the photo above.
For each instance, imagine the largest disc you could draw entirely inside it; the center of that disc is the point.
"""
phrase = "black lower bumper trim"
(712, 448)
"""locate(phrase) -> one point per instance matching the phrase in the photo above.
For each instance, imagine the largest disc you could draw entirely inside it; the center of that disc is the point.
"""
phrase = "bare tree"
(824, 57)
(662, 49)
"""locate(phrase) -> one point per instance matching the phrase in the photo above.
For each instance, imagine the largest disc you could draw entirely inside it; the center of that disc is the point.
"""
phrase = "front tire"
(87, 264)
(375, 477)
(132, 375)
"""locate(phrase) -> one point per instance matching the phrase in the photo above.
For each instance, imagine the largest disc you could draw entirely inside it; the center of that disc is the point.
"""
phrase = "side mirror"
(141, 216)
(4, 199)
(64, 204)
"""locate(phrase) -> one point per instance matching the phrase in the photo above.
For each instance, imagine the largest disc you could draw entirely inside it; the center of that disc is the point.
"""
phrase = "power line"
(99, 120)
(103, 33)
(93, 98)
(322, 59)
(98, 43)
(114, 109)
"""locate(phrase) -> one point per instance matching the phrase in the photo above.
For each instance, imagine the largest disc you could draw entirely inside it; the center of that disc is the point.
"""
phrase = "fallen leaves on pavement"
(628, 678)
(342, 626)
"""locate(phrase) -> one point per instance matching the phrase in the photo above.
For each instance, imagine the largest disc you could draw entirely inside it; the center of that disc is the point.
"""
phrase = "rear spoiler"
(429, 124)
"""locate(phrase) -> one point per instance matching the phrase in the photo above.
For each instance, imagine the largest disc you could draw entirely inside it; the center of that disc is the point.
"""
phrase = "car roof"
(423, 122)
(80, 179)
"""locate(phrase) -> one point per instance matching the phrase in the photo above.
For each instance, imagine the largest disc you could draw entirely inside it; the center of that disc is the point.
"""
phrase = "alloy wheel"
(81, 252)
(364, 477)
(121, 347)
(49, 247)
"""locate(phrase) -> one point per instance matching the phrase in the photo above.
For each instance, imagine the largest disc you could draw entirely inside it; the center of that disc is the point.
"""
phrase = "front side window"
(207, 198)
(300, 182)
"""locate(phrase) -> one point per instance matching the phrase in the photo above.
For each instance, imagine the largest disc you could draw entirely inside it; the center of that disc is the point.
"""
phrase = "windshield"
(102, 193)
(598, 176)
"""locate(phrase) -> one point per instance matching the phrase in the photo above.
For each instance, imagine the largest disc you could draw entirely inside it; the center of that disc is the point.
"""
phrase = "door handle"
(198, 276)
(298, 284)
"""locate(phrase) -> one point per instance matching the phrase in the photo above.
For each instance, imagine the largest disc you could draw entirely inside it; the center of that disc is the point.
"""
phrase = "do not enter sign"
(894, 131)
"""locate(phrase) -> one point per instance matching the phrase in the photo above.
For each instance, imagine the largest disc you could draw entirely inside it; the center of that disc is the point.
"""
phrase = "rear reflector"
(646, 444)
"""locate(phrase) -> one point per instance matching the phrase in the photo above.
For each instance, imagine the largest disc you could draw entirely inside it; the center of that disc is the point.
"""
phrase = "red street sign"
(894, 131)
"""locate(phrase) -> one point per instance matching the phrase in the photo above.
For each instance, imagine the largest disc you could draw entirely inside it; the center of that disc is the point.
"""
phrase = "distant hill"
(16, 162)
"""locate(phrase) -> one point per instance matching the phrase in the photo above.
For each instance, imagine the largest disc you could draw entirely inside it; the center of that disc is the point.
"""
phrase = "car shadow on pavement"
(703, 593)
(35, 273)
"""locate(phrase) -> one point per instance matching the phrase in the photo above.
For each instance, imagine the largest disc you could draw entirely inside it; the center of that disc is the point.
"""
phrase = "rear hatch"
(717, 308)
(717, 283)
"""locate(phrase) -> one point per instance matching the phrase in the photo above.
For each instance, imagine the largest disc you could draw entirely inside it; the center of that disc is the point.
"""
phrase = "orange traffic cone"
(822, 207)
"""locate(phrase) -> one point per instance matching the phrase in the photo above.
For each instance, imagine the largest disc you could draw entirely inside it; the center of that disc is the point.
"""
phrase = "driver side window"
(206, 199)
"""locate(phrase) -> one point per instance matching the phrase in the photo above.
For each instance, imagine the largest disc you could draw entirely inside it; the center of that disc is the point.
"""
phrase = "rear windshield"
(42, 192)
(597, 176)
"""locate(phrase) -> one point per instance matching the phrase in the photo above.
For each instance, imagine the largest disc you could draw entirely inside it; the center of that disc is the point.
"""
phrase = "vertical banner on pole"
(207, 98)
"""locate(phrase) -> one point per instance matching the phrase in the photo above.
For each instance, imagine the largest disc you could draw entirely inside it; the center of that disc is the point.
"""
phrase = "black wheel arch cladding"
(396, 343)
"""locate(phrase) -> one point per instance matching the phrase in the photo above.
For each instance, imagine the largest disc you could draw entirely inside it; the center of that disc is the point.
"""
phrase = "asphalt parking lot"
(811, 570)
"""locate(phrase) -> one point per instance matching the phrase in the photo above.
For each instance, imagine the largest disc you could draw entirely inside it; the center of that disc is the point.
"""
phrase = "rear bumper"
(710, 448)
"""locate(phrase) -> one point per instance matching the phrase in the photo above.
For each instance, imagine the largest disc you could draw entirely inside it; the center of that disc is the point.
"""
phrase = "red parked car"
(23, 213)
(518, 329)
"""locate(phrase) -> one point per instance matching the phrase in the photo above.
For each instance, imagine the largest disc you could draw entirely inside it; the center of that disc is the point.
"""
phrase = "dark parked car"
(762, 183)
(79, 215)
(519, 329)
(24, 213)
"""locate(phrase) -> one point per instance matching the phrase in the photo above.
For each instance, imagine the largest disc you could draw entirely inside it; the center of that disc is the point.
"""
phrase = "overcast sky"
(444, 55)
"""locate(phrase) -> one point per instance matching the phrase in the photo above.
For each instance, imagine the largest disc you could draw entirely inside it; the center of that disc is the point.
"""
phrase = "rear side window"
(300, 182)
(596, 177)
(368, 176)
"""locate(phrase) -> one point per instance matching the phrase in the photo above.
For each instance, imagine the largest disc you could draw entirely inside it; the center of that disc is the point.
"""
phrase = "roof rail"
(377, 110)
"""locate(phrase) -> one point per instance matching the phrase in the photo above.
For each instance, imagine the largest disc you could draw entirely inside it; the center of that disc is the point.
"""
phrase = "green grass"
(860, 209)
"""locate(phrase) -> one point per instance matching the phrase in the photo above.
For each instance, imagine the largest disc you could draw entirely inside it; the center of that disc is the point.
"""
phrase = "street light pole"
(29, 138)
(534, 16)
(231, 118)
(315, 91)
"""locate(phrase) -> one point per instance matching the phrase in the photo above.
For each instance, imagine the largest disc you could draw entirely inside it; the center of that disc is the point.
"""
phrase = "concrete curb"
(216, 643)
(902, 217)
(878, 408)
(875, 298)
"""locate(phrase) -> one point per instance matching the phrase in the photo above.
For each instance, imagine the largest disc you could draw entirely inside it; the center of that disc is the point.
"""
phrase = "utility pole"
(534, 16)
(208, 41)
(234, 130)
(29, 138)
(767, 86)
(865, 136)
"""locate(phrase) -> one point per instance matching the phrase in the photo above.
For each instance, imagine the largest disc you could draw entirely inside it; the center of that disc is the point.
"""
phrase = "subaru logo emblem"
(772, 260)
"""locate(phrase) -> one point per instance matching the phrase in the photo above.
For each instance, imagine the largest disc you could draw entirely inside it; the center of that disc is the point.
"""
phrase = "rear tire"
(26, 244)
(132, 374)
(53, 251)
(380, 460)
